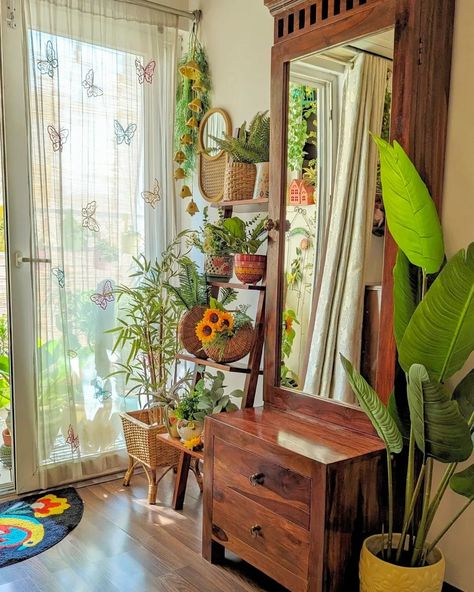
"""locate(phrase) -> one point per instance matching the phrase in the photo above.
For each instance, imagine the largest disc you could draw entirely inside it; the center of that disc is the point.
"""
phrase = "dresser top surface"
(324, 443)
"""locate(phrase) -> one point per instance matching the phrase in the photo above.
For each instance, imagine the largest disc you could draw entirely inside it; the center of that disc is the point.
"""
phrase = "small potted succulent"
(247, 170)
(245, 239)
(226, 336)
(212, 242)
(207, 398)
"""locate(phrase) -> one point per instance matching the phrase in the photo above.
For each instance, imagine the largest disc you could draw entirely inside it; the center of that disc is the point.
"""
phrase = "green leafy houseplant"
(251, 145)
(148, 321)
(302, 115)
(243, 238)
(211, 398)
(210, 239)
(434, 331)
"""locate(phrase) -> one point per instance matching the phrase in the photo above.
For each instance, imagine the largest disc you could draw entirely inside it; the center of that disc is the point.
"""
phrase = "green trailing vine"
(302, 117)
(190, 90)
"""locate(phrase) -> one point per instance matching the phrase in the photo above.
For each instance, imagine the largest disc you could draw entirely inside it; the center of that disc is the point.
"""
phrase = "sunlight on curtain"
(102, 82)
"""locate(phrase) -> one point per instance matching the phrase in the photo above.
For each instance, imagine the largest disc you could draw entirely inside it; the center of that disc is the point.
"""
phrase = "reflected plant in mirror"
(334, 243)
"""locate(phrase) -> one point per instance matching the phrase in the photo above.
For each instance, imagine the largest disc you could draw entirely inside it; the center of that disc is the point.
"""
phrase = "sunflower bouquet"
(226, 336)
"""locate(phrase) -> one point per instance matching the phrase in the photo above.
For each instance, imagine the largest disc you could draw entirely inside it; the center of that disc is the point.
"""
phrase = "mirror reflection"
(335, 221)
(215, 126)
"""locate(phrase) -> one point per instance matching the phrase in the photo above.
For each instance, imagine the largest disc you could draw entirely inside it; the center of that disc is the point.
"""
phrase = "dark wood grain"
(181, 481)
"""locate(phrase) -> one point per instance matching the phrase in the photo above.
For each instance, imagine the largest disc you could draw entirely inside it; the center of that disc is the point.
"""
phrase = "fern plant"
(251, 145)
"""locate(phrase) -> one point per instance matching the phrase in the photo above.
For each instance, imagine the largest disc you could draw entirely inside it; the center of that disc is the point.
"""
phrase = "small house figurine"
(300, 193)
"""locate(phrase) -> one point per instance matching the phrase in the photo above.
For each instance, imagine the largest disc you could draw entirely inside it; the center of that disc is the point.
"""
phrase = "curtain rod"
(194, 15)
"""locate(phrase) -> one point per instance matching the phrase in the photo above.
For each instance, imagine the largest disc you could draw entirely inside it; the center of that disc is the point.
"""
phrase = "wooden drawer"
(275, 545)
(278, 489)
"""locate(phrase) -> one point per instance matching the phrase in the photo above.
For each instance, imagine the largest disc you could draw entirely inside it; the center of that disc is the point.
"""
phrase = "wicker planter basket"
(236, 348)
(140, 429)
(239, 181)
(187, 331)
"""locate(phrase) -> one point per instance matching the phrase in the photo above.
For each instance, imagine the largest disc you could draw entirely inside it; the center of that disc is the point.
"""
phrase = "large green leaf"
(411, 214)
(440, 334)
(374, 408)
(398, 403)
(405, 294)
(440, 430)
(464, 395)
(463, 483)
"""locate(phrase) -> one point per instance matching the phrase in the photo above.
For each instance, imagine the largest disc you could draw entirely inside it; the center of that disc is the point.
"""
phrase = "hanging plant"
(192, 102)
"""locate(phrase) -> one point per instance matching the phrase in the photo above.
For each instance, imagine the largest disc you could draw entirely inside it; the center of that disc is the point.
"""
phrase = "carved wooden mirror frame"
(421, 81)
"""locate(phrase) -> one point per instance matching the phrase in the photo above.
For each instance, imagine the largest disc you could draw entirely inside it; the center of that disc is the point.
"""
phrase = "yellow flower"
(226, 320)
(49, 505)
(205, 332)
(193, 443)
(212, 316)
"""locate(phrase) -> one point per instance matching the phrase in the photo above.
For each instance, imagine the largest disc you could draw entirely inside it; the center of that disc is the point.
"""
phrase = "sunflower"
(194, 443)
(205, 332)
(226, 320)
(212, 317)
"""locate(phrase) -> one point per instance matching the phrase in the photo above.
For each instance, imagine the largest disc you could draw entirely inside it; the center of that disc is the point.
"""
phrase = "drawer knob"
(257, 479)
(256, 531)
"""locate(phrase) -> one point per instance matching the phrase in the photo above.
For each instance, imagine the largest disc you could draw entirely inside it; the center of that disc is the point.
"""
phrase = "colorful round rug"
(32, 524)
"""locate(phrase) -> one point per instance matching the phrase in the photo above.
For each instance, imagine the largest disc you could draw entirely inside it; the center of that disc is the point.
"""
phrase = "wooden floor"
(124, 544)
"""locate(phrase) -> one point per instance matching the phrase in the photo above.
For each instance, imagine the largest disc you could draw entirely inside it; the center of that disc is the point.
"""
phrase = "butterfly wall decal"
(145, 73)
(48, 65)
(88, 83)
(58, 138)
(88, 217)
(100, 392)
(124, 135)
(103, 298)
(72, 439)
(152, 197)
(59, 275)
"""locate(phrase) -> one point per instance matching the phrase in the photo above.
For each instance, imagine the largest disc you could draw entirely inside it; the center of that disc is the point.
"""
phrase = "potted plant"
(219, 261)
(434, 331)
(247, 152)
(207, 398)
(147, 337)
(245, 239)
(226, 336)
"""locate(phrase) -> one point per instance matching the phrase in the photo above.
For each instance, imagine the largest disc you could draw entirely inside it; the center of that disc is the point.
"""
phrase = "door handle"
(19, 259)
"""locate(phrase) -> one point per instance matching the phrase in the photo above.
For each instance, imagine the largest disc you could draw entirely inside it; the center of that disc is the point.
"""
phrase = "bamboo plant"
(434, 332)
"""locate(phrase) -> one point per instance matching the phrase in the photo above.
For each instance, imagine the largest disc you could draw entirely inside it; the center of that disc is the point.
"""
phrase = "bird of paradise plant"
(434, 332)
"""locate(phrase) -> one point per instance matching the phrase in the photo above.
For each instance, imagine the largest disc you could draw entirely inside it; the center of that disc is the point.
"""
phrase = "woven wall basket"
(236, 348)
(187, 332)
(239, 182)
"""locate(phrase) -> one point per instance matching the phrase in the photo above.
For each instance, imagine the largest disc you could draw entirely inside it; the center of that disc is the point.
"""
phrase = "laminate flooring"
(123, 544)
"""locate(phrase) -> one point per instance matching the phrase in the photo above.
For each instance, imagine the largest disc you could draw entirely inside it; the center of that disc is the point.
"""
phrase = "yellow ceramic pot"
(377, 575)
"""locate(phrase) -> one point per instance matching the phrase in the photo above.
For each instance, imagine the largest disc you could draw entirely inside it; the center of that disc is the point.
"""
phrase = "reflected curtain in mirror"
(337, 309)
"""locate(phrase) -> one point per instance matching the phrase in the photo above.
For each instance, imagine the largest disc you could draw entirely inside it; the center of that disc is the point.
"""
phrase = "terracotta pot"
(7, 437)
(377, 575)
(189, 429)
(187, 331)
(250, 269)
(262, 183)
(219, 268)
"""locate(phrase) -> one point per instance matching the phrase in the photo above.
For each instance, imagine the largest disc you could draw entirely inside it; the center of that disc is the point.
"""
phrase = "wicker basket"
(187, 331)
(239, 181)
(140, 429)
(236, 348)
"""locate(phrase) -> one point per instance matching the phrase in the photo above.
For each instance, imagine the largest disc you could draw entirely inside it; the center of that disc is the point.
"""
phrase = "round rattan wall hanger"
(212, 161)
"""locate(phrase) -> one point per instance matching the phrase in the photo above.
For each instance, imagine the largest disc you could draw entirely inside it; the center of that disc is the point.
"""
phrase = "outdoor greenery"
(434, 331)
(251, 145)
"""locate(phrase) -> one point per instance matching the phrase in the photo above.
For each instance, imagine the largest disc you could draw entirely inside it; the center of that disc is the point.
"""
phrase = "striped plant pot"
(250, 269)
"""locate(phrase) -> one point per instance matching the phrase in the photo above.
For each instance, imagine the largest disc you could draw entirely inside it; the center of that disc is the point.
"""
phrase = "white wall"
(238, 38)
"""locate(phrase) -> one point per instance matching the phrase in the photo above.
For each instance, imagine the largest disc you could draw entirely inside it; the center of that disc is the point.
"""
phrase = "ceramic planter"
(219, 268)
(262, 182)
(250, 269)
(171, 422)
(377, 575)
(188, 430)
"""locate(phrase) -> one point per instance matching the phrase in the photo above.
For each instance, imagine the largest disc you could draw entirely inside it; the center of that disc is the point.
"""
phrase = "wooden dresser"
(293, 498)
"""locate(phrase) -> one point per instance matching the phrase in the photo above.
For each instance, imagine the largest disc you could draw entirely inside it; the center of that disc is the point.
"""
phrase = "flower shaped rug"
(32, 524)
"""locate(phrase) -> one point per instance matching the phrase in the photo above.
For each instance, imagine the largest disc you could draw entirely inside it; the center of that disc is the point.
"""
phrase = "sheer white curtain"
(101, 107)
(338, 303)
